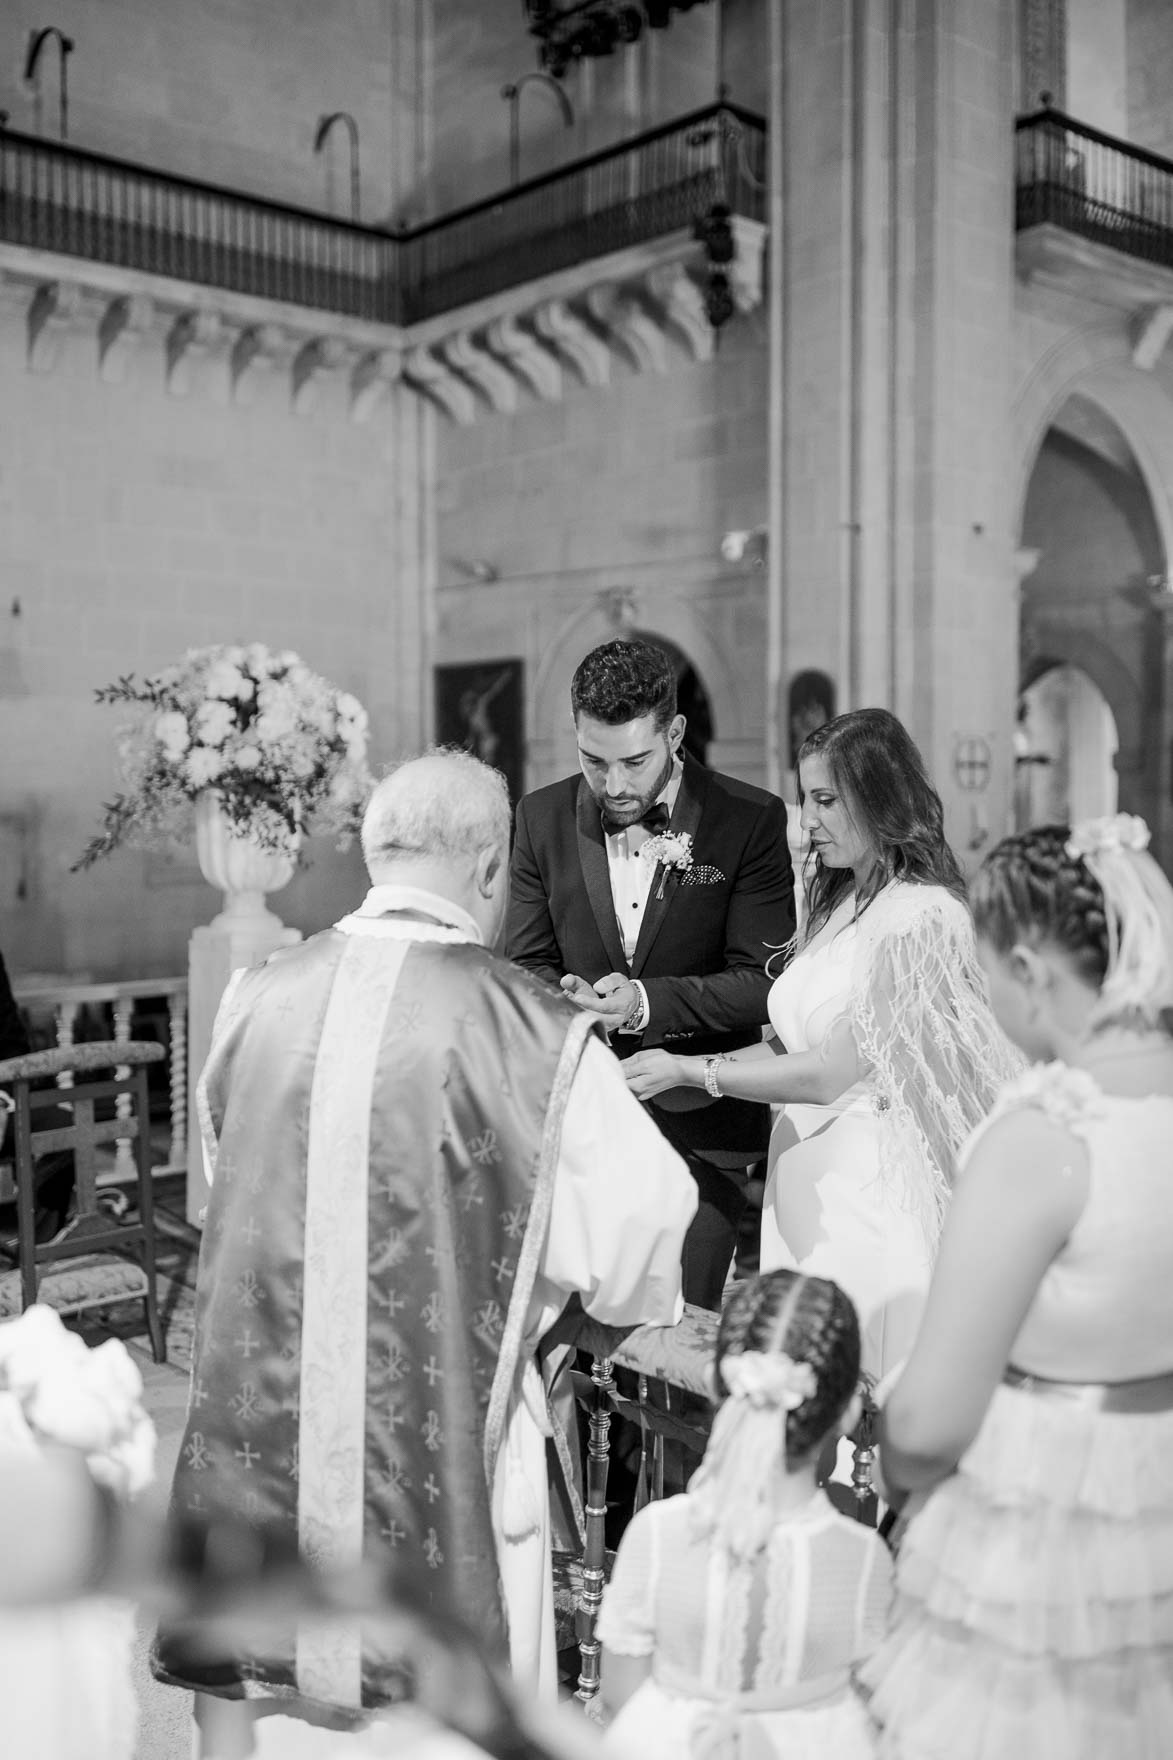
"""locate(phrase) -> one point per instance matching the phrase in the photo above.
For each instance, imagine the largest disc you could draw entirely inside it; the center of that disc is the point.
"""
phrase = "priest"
(419, 1154)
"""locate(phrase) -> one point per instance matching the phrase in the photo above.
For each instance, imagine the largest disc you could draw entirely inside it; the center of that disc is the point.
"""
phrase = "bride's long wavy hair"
(881, 778)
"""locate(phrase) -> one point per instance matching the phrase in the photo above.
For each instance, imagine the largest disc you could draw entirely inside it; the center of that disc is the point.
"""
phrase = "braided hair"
(788, 1360)
(1031, 887)
(806, 1318)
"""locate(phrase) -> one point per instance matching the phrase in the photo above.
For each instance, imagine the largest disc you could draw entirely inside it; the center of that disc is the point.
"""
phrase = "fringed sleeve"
(935, 1055)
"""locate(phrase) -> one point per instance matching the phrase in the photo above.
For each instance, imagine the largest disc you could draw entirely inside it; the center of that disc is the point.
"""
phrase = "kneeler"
(672, 1407)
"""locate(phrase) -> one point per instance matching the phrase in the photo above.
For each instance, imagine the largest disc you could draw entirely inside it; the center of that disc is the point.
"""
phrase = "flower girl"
(737, 1611)
(1034, 1420)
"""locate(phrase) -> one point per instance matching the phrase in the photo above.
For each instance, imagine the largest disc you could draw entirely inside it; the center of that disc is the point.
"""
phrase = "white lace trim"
(923, 1025)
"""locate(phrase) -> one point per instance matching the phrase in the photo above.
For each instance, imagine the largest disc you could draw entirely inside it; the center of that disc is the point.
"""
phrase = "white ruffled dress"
(751, 1659)
(1034, 1610)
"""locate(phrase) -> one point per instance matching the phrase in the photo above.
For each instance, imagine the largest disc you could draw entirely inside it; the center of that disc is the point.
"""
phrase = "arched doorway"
(692, 699)
(1065, 745)
(1092, 702)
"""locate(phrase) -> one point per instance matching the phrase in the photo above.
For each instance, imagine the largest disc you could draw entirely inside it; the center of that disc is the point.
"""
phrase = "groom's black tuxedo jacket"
(702, 946)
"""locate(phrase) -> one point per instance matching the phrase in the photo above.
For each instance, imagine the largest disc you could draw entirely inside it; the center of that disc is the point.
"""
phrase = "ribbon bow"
(773, 1380)
(656, 820)
(1117, 831)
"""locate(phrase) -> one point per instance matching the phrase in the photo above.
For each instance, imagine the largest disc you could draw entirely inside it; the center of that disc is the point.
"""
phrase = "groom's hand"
(615, 998)
(580, 992)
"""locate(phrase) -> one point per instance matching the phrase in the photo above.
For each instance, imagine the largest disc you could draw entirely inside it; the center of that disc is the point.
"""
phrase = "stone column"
(897, 305)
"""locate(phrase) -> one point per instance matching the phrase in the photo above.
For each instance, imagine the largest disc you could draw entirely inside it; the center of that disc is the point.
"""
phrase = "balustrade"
(1092, 184)
(63, 1002)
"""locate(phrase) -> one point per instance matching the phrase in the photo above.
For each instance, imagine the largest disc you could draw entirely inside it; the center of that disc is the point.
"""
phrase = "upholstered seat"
(98, 1257)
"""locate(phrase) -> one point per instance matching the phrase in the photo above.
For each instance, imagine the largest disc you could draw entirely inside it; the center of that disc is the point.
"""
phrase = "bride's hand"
(651, 1072)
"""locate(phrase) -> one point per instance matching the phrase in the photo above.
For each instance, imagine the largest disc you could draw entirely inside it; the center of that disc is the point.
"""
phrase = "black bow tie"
(655, 820)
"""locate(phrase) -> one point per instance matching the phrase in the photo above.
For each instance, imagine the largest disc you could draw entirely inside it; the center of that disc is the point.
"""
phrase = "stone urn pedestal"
(243, 933)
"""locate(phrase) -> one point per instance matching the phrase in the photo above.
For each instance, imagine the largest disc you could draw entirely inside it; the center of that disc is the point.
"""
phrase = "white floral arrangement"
(284, 750)
(54, 1390)
(1117, 831)
(673, 849)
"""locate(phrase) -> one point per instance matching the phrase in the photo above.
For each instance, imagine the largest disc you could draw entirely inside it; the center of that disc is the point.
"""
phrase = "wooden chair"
(97, 1258)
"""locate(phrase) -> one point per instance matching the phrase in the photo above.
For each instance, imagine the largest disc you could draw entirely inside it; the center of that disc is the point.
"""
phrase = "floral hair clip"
(1117, 831)
(772, 1380)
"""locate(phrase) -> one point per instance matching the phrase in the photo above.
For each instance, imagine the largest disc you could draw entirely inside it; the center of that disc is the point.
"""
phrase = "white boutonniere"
(673, 849)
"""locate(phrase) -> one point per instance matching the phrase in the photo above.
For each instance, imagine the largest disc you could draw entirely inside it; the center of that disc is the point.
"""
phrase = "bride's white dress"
(855, 1189)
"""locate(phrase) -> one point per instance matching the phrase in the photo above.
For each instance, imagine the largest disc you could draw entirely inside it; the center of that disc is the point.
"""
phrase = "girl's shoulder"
(1068, 1097)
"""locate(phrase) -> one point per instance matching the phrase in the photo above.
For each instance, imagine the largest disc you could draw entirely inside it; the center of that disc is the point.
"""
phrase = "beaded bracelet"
(711, 1063)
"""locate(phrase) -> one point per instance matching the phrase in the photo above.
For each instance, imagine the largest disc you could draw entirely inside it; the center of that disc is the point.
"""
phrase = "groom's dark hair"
(622, 681)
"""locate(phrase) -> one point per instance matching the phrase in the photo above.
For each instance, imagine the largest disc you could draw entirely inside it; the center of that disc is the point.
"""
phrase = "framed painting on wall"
(481, 708)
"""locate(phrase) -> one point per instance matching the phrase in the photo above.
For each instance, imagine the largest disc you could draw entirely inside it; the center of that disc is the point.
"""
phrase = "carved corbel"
(325, 354)
(123, 325)
(257, 351)
(54, 310)
(190, 341)
(527, 356)
(1150, 332)
(745, 271)
(575, 342)
(483, 370)
(631, 326)
(434, 379)
(374, 374)
(683, 306)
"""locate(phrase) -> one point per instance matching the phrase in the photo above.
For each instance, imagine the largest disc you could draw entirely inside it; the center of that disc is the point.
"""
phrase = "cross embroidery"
(431, 1432)
(250, 1290)
(483, 1149)
(514, 1222)
(433, 1371)
(432, 1549)
(502, 1269)
(250, 1232)
(198, 1395)
(197, 1452)
(432, 1489)
(432, 1312)
(389, 1302)
(246, 1405)
(394, 1532)
(248, 1455)
(246, 1344)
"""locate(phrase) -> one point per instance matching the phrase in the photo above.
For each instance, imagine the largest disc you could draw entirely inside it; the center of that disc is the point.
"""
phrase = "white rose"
(275, 722)
(172, 734)
(349, 708)
(228, 681)
(301, 763)
(288, 659)
(247, 758)
(203, 766)
(214, 722)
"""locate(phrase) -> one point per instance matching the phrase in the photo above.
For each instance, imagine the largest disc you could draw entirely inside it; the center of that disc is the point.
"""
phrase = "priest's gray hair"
(445, 805)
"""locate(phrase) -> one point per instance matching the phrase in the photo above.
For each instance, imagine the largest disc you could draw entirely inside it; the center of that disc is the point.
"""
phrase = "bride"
(885, 1053)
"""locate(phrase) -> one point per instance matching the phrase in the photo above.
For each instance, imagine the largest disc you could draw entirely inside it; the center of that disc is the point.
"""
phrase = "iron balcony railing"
(59, 198)
(1095, 185)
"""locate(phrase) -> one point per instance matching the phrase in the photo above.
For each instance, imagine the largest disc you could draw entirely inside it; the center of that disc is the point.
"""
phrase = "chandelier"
(572, 30)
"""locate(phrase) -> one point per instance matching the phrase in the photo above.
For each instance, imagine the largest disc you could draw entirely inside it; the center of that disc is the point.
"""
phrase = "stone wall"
(604, 513)
(134, 524)
(1150, 74)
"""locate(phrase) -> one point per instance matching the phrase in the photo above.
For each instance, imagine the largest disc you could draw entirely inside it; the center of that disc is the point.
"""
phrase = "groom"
(668, 946)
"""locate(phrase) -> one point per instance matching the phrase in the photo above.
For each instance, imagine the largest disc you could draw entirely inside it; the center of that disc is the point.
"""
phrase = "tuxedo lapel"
(686, 817)
(596, 874)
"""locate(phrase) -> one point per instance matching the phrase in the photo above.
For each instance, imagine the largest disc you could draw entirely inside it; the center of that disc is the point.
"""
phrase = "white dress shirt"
(631, 882)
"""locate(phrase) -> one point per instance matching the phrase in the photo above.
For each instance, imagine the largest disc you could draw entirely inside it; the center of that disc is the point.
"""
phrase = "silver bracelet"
(711, 1063)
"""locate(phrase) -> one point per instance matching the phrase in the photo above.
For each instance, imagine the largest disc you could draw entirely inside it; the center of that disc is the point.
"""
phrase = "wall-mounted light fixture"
(65, 47)
(477, 570)
(325, 124)
(746, 546)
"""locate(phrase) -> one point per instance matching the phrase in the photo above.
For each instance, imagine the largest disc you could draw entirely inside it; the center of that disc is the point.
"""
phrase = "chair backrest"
(48, 1119)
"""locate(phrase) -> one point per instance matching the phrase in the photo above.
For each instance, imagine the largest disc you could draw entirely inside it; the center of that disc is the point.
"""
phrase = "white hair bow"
(1093, 837)
(768, 1380)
